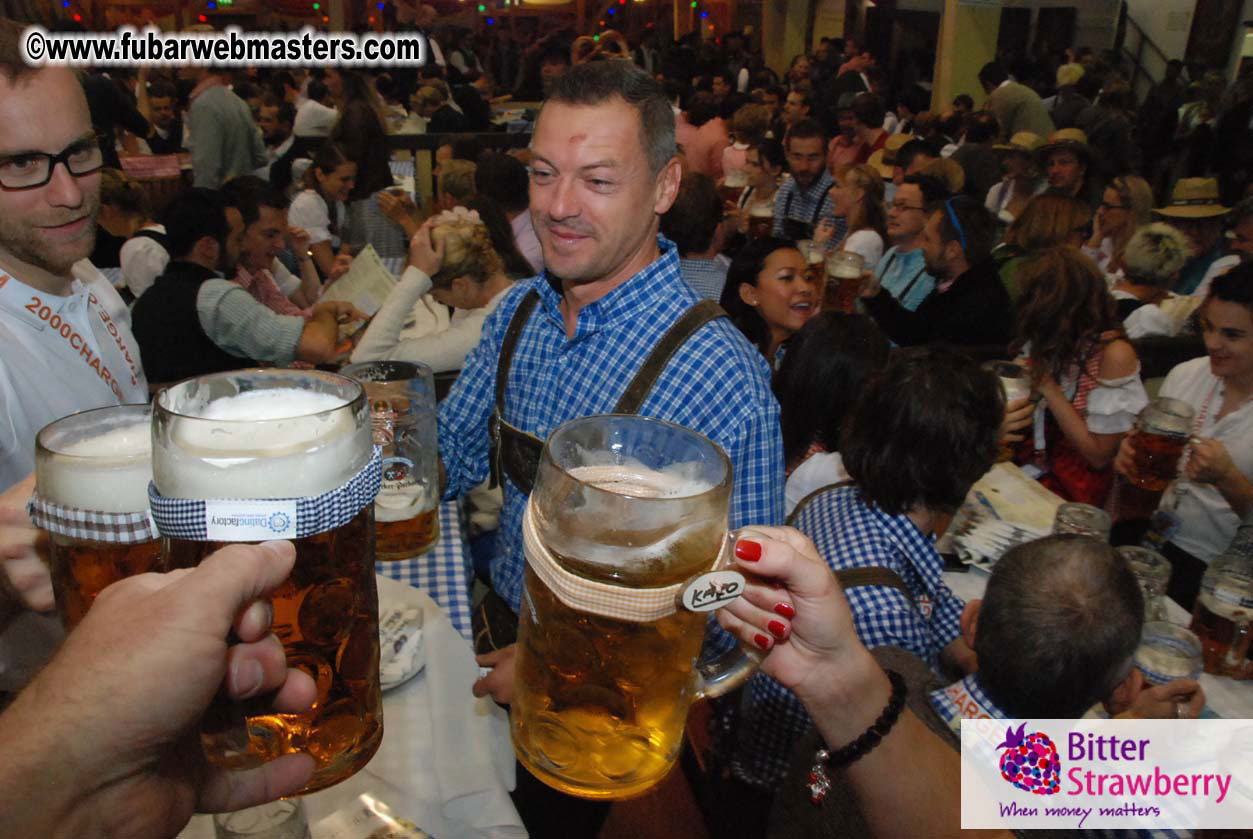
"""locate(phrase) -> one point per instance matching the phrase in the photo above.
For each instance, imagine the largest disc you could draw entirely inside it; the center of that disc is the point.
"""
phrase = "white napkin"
(449, 752)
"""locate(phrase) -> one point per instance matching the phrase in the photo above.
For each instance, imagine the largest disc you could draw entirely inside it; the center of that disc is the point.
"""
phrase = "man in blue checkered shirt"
(603, 170)
(922, 433)
(804, 198)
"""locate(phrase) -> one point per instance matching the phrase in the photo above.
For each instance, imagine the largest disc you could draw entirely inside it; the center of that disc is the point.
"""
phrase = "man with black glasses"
(902, 270)
(61, 350)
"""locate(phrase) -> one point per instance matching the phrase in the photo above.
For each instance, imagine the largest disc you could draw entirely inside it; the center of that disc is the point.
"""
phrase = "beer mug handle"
(726, 672)
(1234, 659)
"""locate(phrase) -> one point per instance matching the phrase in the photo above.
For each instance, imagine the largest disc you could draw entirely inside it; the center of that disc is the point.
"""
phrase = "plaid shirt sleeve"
(464, 416)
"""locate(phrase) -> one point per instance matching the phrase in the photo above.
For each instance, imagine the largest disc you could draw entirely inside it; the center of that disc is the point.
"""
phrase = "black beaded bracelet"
(819, 781)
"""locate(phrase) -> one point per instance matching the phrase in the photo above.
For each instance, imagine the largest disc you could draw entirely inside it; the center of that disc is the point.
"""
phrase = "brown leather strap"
(872, 575)
(693, 319)
(804, 502)
(510, 343)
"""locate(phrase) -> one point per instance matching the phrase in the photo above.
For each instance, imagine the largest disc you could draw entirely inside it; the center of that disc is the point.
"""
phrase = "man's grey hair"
(1155, 253)
(597, 82)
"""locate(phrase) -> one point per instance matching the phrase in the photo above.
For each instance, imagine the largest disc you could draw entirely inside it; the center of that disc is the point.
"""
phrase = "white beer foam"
(401, 503)
(108, 472)
(273, 443)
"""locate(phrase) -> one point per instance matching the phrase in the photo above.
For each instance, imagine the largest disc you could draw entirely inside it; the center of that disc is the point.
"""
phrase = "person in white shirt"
(144, 257)
(857, 197)
(1150, 264)
(319, 209)
(314, 119)
(1214, 489)
(61, 351)
(450, 256)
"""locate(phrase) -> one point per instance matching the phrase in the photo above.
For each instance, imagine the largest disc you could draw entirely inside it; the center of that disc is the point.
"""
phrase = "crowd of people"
(1057, 223)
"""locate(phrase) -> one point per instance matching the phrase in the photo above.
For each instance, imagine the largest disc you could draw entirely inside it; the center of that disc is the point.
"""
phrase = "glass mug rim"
(138, 409)
(567, 427)
(1169, 406)
(160, 402)
(397, 371)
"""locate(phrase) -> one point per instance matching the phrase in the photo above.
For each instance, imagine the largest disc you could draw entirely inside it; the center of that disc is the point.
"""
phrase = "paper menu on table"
(366, 284)
(1016, 498)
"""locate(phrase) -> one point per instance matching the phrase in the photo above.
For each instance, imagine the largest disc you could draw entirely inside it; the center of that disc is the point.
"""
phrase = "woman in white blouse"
(1084, 370)
(319, 208)
(857, 196)
(1214, 490)
(451, 256)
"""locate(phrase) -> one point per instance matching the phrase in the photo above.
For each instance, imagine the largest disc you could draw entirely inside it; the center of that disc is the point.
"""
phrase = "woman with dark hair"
(922, 432)
(768, 294)
(1213, 490)
(822, 373)
(1084, 369)
(319, 207)
(361, 133)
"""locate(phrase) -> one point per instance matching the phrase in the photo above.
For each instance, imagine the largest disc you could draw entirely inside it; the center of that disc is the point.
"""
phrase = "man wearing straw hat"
(1069, 102)
(1068, 166)
(1194, 208)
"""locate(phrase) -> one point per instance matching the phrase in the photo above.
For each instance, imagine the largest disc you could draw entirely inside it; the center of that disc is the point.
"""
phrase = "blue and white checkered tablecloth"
(444, 573)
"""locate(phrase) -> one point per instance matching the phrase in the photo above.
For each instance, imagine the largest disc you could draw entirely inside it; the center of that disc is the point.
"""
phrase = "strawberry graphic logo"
(1030, 762)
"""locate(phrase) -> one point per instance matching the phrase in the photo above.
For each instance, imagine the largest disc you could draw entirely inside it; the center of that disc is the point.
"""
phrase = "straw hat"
(1069, 74)
(1194, 198)
(883, 160)
(1024, 142)
(1070, 139)
(949, 172)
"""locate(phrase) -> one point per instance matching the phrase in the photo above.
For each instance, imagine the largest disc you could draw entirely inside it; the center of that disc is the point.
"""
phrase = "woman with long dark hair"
(768, 293)
(319, 207)
(820, 378)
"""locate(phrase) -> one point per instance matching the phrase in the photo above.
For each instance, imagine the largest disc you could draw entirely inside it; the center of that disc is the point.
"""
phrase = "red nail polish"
(748, 550)
(784, 611)
(778, 629)
(762, 641)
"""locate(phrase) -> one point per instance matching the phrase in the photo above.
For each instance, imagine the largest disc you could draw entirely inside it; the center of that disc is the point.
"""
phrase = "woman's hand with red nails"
(806, 622)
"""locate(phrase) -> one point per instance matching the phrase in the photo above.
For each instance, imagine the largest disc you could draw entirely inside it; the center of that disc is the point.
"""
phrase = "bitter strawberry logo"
(1030, 762)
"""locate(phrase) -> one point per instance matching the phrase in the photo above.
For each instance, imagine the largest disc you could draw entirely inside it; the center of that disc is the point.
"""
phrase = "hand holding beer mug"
(1015, 382)
(255, 455)
(760, 221)
(402, 414)
(625, 514)
(91, 494)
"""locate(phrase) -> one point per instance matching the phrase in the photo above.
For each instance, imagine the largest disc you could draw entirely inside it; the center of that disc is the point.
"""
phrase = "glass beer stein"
(1161, 433)
(1223, 614)
(843, 281)
(252, 455)
(626, 512)
(91, 494)
(402, 412)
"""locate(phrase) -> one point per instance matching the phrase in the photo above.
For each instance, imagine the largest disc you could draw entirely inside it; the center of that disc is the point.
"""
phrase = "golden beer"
(401, 395)
(263, 436)
(1160, 436)
(600, 700)
(326, 615)
(99, 460)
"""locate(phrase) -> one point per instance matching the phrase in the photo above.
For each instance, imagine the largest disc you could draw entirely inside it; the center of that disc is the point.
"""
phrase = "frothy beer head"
(281, 436)
(97, 460)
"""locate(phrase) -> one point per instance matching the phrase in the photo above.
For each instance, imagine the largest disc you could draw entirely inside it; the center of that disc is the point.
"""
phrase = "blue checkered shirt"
(850, 533)
(705, 276)
(808, 205)
(717, 384)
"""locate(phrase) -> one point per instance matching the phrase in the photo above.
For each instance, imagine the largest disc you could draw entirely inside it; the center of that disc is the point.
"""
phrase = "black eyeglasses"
(896, 205)
(31, 170)
(1110, 206)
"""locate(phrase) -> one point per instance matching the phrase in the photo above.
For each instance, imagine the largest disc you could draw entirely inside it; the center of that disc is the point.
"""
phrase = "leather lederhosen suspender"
(796, 228)
(517, 451)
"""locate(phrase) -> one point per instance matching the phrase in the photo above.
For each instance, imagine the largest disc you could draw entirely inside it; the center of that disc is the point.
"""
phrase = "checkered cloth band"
(93, 525)
(186, 518)
(605, 599)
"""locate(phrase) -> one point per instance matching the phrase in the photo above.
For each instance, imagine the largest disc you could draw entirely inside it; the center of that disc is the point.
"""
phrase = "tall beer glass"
(625, 511)
(91, 485)
(1161, 433)
(402, 411)
(276, 454)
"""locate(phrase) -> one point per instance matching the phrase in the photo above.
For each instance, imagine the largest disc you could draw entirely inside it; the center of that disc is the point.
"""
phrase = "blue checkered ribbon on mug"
(186, 518)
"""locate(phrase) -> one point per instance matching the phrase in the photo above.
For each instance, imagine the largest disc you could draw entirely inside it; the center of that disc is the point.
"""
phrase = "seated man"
(266, 234)
(903, 270)
(922, 433)
(1079, 596)
(193, 322)
(970, 305)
